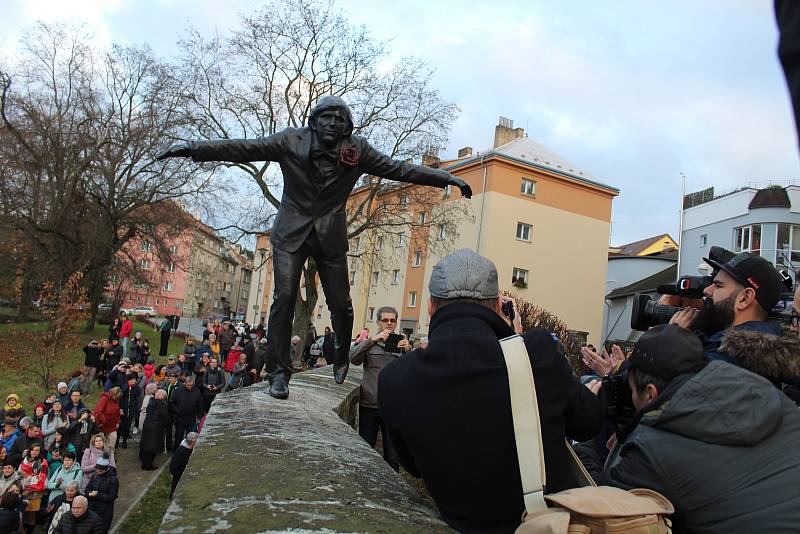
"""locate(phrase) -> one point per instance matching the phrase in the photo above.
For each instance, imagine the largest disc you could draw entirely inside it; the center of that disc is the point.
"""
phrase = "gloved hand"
(466, 190)
(180, 150)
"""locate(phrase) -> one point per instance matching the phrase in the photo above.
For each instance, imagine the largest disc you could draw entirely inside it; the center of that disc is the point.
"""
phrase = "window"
(352, 278)
(173, 249)
(528, 187)
(448, 190)
(412, 299)
(168, 286)
(375, 276)
(519, 278)
(372, 314)
(704, 240)
(145, 246)
(219, 285)
(523, 231)
(171, 267)
(404, 200)
(138, 299)
(379, 244)
(401, 240)
(319, 312)
(144, 264)
(748, 238)
(158, 301)
(228, 286)
(130, 298)
(417, 259)
(441, 232)
(422, 217)
(395, 277)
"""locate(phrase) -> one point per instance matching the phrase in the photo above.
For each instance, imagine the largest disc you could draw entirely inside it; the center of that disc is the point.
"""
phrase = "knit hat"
(61, 385)
(102, 462)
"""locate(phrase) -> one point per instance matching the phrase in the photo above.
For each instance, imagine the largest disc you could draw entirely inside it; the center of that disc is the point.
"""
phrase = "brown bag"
(585, 510)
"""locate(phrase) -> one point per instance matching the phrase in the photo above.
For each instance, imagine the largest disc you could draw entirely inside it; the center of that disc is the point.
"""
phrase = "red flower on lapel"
(348, 156)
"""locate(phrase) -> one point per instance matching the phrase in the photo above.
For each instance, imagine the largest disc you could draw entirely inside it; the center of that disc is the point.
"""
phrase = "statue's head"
(331, 120)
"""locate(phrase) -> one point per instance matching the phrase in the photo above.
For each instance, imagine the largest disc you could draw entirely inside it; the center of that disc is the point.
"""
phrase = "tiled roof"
(635, 248)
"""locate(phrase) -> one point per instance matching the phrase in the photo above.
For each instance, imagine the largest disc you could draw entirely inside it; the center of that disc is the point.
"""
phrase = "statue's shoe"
(340, 371)
(279, 388)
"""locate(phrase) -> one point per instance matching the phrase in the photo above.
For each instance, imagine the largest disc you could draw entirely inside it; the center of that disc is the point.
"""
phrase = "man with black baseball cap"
(737, 305)
(715, 439)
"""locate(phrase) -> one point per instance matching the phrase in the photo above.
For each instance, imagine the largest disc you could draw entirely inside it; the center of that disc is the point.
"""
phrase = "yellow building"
(543, 221)
(658, 244)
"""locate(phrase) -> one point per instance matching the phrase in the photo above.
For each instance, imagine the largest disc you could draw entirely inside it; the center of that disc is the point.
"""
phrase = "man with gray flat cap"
(448, 407)
(320, 164)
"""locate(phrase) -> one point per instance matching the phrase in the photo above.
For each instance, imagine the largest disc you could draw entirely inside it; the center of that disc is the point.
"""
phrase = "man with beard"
(732, 324)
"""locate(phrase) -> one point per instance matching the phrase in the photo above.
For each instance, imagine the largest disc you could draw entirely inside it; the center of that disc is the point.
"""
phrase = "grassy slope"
(146, 517)
(26, 384)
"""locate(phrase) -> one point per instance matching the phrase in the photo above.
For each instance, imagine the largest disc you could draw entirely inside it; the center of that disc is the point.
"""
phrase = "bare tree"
(270, 73)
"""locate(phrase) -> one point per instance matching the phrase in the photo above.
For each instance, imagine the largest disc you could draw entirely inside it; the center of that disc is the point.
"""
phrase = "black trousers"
(168, 435)
(369, 422)
(162, 350)
(124, 430)
(287, 268)
(183, 425)
(147, 460)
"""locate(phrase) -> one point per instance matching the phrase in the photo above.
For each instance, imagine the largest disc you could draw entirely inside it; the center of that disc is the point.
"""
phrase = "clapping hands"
(601, 363)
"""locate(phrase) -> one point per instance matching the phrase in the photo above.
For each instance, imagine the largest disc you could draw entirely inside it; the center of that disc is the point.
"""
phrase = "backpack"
(585, 510)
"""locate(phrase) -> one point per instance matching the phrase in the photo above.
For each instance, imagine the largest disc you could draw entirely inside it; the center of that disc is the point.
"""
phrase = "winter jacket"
(773, 353)
(189, 351)
(67, 475)
(722, 447)
(89, 461)
(149, 371)
(92, 356)
(73, 411)
(179, 460)
(226, 339)
(80, 433)
(55, 457)
(52, 422)
(173, 369)
(202, 349)
(374, 358)
(8, 442)
(260, 356)
(185, 403)
(88, 523)
(34, 473)
(155, 424)
(107, 487)
(232, 359)
(448, 411)
(129, 401)
(106, 413)
(126, 328)
(215, 377)
(112, 356)
(5, 483)
(17, 450)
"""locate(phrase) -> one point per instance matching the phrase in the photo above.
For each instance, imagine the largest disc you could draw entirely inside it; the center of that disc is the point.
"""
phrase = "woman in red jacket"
(34, 478)
(106, 415)
(125, 333)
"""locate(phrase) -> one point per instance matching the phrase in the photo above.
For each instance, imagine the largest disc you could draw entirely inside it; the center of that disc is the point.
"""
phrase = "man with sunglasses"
(735, 315)
(375, 353)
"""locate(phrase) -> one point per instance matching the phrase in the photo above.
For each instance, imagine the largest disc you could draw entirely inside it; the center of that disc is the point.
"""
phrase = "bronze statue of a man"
(320, 164)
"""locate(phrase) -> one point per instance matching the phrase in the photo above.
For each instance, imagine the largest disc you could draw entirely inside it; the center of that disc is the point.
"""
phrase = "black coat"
(80, 435)
(129, 400)
(185, 403)
(107, 488)
(448, 411)
(88, 523)
(308, 202)
(92, 358)
(179, 461)
(156, 421)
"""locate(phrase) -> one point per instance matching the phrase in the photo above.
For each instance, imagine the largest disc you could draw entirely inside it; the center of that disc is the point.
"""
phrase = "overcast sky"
(632, 92)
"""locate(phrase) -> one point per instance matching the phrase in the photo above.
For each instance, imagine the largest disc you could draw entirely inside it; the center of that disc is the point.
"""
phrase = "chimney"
(505, 132)
(465, 152)
(431, 158)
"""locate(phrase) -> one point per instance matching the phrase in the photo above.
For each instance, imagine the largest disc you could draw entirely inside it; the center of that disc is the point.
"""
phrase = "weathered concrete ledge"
(264, 465)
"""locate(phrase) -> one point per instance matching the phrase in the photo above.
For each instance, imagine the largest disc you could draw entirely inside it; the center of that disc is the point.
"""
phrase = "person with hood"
(12, 403)
(92, 455)
(80, 519)
(33, 470)
(69, 471)
(715, 439)
(102, 490)
(180, 459)
(91, 362)
(154, 428)
(81, 431)
(107, 415)
(320, 164)
(149, 370)
(56, 418)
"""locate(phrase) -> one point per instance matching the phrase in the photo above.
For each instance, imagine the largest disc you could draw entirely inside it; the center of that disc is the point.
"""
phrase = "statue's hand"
(466, 190)
(180, 150)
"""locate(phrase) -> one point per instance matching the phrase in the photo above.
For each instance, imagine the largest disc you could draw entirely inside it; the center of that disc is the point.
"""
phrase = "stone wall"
(265, 465)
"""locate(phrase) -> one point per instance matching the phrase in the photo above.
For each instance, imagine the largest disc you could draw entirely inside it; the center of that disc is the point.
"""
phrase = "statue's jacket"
(308, 203)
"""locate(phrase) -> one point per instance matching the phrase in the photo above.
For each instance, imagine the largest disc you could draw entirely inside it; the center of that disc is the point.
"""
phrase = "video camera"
(647, 313)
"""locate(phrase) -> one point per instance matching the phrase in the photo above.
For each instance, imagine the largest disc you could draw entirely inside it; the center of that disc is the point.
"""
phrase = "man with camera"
(716, 440)
(448, 407)
(735, 317)
(375, 353)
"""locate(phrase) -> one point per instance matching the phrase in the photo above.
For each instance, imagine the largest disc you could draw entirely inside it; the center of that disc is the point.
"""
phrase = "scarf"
(17, 406)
